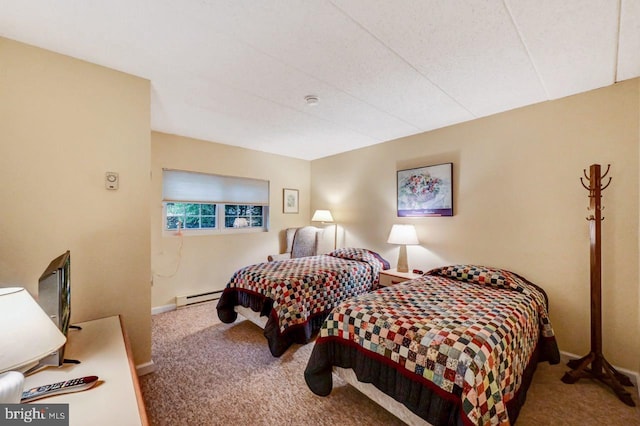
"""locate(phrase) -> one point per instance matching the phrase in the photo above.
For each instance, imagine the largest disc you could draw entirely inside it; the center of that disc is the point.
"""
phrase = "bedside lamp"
(403, 235)
(324, 216)
(27, 335)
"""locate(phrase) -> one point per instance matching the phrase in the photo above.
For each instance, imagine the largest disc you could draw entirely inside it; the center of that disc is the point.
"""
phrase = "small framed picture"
(426, 191)
(289, 200)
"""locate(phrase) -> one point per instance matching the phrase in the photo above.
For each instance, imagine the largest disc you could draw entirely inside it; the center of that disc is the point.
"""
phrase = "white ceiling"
(237, 71)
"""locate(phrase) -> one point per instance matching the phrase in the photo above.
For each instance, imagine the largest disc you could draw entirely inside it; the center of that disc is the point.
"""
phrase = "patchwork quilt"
(468, 332)
(297, 290)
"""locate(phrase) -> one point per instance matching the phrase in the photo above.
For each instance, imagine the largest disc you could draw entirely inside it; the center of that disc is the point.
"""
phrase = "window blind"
(182, 186)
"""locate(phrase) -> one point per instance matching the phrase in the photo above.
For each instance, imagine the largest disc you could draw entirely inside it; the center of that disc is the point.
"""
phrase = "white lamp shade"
(403, 234)
(322, 216)
(26, 331)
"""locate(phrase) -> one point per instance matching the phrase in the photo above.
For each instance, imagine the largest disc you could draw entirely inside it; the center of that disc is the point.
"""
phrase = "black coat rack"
(600, 368)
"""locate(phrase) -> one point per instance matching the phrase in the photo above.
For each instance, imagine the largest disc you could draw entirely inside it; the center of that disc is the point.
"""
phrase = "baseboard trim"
(161, 309)
(634, 376)
(146, 368)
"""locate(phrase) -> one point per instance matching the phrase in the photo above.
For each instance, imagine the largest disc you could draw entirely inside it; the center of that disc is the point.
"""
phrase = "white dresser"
(103, 350)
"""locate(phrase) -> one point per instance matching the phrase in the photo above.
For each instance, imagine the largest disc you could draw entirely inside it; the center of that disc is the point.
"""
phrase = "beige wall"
(518, 205)
(63, 124)
(205, 263)
(518, 200)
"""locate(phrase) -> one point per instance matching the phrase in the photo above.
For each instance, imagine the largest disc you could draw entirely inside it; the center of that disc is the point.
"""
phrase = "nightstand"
(392, 276)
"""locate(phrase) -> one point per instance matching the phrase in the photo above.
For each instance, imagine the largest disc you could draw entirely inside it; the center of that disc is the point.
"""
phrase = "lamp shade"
(322, 216)
(403, 234)
(26, 331)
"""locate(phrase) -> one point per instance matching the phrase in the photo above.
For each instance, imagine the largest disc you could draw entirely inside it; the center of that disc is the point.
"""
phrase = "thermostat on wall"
(111, 180)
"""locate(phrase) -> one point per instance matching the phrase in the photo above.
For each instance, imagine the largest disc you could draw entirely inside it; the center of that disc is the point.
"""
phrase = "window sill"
(209, 232)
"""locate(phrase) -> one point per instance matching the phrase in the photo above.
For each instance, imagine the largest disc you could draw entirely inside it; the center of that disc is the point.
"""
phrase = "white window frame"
(237, 190)
(183, 224)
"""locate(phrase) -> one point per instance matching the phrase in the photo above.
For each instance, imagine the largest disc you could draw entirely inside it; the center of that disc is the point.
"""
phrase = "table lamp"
(324, 216)
(27, 335)
(403, 235)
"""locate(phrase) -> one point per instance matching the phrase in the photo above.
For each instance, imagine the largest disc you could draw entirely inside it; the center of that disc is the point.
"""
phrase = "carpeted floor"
(208, 373)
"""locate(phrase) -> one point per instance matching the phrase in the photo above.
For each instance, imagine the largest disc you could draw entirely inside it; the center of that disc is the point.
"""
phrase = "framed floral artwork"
(290, 200)
(426, 191)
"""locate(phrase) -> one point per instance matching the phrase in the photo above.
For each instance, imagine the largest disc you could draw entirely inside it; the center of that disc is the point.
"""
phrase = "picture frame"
(290, 202)
(425, 191)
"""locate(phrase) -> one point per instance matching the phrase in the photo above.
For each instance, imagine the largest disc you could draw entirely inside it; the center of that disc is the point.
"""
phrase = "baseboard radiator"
(192, 299)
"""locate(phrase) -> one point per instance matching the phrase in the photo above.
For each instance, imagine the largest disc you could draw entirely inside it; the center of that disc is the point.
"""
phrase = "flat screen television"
(54, 296)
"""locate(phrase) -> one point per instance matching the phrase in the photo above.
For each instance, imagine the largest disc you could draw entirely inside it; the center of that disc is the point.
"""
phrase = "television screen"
(54, 296)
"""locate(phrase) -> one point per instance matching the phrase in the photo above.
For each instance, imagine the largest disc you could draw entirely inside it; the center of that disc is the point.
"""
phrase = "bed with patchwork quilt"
(457, 346)
(297, 294)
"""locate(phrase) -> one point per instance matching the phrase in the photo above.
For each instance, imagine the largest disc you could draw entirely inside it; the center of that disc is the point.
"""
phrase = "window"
(191, 216)
(242, 216)
(200, 202)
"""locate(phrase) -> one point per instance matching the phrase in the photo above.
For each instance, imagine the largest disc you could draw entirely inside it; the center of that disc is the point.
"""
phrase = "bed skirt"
(424, 399)
(278, 341)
